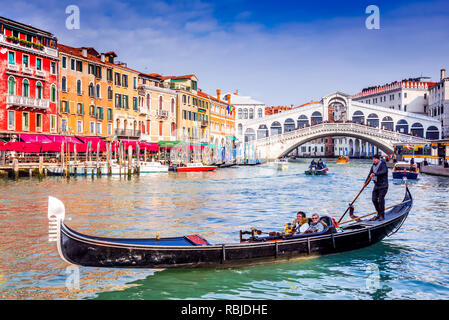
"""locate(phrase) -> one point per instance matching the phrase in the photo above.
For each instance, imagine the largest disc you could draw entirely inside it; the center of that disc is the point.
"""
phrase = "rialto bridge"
(336, 115)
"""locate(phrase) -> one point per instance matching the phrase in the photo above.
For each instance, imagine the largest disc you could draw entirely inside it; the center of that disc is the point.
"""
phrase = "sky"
(278, 52)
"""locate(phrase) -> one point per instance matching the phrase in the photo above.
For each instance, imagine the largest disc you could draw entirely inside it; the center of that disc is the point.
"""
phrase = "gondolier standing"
(379, 175)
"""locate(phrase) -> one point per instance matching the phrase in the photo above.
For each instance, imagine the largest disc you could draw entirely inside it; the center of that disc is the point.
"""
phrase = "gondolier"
(379, 175)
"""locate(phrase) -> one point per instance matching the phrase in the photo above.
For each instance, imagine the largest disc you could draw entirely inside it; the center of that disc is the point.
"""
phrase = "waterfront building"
(158, 104)
(192, 108)
(29, 80)
(409, 95)
(247, 109)
(129, 123)
(439, 102)
(86, 94)
(222, 120)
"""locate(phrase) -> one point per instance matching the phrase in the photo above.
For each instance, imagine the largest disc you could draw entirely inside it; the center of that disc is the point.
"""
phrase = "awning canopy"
(169, 144)
(35, 138)
(65, 139)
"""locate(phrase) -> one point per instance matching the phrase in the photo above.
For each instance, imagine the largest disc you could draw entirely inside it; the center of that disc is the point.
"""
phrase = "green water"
(412, 264)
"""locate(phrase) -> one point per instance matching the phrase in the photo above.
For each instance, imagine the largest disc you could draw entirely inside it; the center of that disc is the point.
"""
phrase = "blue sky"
(279, 52)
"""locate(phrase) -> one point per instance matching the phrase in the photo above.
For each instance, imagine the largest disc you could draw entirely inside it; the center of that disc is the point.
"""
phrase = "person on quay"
(301, 223)
(379, 175)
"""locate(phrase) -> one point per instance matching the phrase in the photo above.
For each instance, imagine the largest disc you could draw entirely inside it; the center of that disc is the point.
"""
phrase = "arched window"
(275, 128)
(373, 120)
(262, 131)
(12, 86)
(240, 114)
(38, 90)
(91, 90)
(109, 93)
(316, 118)
(259, 113)
(98, 91)
(417, 130)
(387, 123)
(250, 135)
(358, 117)
(432, 133)
(302, 121)
(148, 101)
(245, 113)
(289, 125)
(25, 88)
(240, 129)
(53, 93)
(251, 113)
(402, 126)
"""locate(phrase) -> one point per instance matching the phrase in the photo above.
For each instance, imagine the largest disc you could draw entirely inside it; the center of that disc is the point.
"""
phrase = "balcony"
(162, 114)
(41, 73)
(128, 133)
(26, 102)
(203, 123)
(27, 70)
(13, 67)
(34, 48)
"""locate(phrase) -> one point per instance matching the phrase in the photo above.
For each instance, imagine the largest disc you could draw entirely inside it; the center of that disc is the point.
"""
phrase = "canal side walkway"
(435, 170)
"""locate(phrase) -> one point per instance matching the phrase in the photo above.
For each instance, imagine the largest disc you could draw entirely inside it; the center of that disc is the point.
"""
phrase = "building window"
(79, 66)
(53, 93)
(39, 90)
(72, 64)
(92, 127)
(12, 86)
(117, 79)
(64, 84)
(109, 74)
(160, 103)
(98, 127)
(173, 105)
(125, 81)
(64, 125)
(80, 108)
(98, 91)
(109, 114)
(25, 121)
(118, 100)
(109, 129)
(160, 128)
(259, 113)
(110, 93)
(11, 57)
(79, 126)
(11, 120)
(64, 62)
(25, 60)
(25, 88)
(39, 64)
(53, 67)
(135, 83)
(135, 108)
(78, 87)
(53, 120)
(91, 90)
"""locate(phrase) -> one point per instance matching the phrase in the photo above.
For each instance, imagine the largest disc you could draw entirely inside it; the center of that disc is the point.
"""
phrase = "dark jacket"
(382, 176)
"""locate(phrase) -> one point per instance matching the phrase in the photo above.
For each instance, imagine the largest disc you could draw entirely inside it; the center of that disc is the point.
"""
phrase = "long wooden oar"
(370, 214)
(350, 205)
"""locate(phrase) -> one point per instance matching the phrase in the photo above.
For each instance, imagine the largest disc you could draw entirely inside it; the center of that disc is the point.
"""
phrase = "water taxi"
(195, 167)
(407, 170)
(343, 159)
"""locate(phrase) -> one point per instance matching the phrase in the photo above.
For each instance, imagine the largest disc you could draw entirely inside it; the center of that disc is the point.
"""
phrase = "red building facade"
(29, 68)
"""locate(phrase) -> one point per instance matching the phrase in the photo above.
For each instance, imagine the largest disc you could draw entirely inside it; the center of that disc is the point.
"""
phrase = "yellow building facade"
(86, 105)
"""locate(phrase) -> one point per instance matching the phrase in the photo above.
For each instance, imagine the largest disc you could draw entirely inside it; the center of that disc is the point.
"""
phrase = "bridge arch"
(373, 120)
(262, 131)
(354, 146)
(316, 118)
(387, 123)
(358, 117)
(432, 133)
(417, 130)
(250, 135)
(289, 125)
(402, 126)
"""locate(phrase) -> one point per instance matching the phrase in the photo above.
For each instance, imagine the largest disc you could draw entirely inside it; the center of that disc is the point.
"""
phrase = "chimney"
(84, 51)
(218, 94)
(228, 98)
(236, 92)
(443, 74)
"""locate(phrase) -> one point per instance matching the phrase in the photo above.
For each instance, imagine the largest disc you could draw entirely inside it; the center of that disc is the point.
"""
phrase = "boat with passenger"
(343, 159)
(405, 170)
(317, 168)
(194, 251)
(281, 164)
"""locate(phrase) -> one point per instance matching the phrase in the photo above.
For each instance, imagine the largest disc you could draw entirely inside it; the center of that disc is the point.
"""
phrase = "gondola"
(314, 171)
(194, 251)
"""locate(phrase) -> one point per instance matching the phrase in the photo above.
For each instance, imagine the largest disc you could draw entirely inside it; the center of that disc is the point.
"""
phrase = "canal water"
(412, 264)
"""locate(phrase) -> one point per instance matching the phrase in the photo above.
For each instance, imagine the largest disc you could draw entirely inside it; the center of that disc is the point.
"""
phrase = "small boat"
(315, 171)
(152, 167)
(195, 167)
(343, 159)
(281, 164)
(194, 251)
(404, 169)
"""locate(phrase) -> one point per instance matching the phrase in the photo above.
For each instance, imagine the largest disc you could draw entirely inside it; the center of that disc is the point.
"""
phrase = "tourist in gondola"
(320, 164)
(379, 175)
(312, 164)
(316, 225)
(301, 223)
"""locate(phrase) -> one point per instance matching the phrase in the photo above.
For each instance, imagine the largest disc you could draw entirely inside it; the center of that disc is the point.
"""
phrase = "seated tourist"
(301, 223)
(316, 225)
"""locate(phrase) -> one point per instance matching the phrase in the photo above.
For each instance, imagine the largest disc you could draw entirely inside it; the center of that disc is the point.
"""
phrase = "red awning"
(65, 139)
(35, 138)
(94, 144)
(26, 147)
(149, 146)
